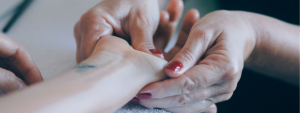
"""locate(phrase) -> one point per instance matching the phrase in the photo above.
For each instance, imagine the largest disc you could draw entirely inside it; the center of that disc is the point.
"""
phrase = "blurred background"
(257, 93)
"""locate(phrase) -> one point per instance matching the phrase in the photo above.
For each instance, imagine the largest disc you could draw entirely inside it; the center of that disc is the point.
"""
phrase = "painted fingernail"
(155, 51)
(135, 101)
(144, 96)
(174, 66)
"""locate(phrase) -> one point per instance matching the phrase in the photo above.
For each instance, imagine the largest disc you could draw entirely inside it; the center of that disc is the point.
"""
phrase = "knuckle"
(232, 72)
(189, 85)
(141, 21)
(231, 88)
(16, 53)
(143, 45)
(94, 24)
(184, 100)
(202, 35)
(186, 54)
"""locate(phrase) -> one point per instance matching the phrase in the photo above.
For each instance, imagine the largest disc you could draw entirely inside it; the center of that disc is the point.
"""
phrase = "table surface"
(46, 30)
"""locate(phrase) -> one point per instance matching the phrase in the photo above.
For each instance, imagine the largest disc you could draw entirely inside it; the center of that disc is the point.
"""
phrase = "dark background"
(257, 93)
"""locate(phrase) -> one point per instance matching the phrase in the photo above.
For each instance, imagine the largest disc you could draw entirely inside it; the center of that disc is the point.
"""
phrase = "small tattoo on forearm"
(84, 67)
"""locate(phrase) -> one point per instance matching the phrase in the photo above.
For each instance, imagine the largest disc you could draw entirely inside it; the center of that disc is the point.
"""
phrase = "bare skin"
(116, 19)
(213, 53)
(104, 82)
(15, 60)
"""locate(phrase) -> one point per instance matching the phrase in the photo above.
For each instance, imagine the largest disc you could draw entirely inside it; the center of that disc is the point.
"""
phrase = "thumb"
(200, 38)
(143, 22)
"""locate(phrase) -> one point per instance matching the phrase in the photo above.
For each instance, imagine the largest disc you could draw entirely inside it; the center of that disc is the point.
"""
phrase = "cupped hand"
(207, 63)
(134, 20)
(15, 60)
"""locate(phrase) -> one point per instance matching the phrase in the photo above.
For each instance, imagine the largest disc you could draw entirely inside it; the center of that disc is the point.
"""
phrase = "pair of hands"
(17, 69)
(204, 66)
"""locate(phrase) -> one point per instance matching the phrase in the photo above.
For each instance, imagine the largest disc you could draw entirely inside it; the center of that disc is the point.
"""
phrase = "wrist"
(134, 64)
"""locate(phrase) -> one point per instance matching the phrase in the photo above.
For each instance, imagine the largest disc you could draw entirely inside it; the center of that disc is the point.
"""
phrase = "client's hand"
(103, 83)
(15, 60)
(134, 20)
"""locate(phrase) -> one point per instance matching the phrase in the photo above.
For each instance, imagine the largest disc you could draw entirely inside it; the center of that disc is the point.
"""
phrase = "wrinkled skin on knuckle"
(183, 100)
(141, 21)
(94, 23)
(189, 85)
(186, 54)
(202, 34)
(232, 72)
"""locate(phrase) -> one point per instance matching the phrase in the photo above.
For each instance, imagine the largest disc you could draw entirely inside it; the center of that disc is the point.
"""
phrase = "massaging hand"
(134, 20)
(207, 65)
(14, 59)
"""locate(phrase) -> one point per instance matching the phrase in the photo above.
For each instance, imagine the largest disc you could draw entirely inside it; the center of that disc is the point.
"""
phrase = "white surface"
(46, 30)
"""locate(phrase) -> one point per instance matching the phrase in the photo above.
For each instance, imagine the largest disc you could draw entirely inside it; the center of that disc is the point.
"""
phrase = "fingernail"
(155, 51)
(135, 101)
(174, 66)
(144, 96)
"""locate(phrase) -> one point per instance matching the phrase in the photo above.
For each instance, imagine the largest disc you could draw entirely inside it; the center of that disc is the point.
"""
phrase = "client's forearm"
(101, 85)
(277, 49)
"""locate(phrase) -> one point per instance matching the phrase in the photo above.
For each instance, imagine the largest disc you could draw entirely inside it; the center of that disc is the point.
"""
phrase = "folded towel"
(135, 108)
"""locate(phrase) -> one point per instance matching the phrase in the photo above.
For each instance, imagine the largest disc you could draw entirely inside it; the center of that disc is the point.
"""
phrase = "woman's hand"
(208, 61)
(14, 59)
(134, 20)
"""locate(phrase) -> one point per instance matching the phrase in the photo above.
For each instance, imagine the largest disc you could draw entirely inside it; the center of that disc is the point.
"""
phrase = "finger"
(191, 17)
(211, 93)
(211, 109)
(9, 82)
(20, 58)
(161, 36)
(199, 107)
(169, 20)
(200, 38)
(77, 35)
(197, 78)
(175, 8)
(92, 27)
(143, 22)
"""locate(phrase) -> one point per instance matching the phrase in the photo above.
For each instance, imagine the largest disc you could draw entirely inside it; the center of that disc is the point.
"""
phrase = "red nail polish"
(155, 51)
(174, 66)
(135, 101)
(144, 96)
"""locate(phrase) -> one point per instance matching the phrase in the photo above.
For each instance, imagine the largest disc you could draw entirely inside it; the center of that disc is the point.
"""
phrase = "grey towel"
(135, 108)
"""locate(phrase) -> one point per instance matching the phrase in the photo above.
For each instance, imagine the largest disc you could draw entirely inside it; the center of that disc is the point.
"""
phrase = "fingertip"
(191, 17)
(173, 68)
(193, 14)
(175, 9)
(164, 18)
(157, 53)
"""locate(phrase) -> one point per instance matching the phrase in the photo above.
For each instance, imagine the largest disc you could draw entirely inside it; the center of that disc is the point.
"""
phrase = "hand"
(134, 20)
(14, 59)
(207, 65)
